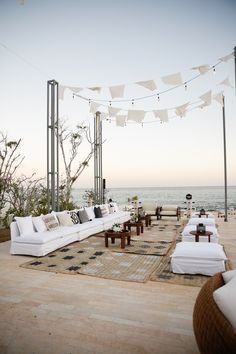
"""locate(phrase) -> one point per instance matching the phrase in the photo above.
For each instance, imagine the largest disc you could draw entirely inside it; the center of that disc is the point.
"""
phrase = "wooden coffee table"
(117, 234)
(147, 219)
(138, 225)
(197, 234)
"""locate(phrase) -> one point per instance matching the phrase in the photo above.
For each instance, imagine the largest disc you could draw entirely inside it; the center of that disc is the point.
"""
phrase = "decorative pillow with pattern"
(104, 210)
(74, 217)
(65, 219)
(50, 221)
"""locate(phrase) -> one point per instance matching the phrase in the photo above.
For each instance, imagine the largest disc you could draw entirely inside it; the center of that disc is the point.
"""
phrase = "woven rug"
(159, 248)
(91, 257)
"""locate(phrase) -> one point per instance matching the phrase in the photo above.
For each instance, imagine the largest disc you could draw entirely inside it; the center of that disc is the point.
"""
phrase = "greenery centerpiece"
(117, 227)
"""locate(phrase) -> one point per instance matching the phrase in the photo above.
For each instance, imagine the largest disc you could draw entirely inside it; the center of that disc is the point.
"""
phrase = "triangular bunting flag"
(150, 85)
(75, 89)
(226, 57)
(94, 107)
(181, 110)
(61, 92)
(206, 97)
(117, 91)
(120, 120)
(174, 79)
(226, 82)
(219, 97)
(162, 114)
(136, 115)
(97, 89)
(113, 111)
(202, 68)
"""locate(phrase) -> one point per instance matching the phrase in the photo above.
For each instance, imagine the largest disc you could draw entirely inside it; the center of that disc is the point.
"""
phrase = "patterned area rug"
(159, 248)
(91, 257)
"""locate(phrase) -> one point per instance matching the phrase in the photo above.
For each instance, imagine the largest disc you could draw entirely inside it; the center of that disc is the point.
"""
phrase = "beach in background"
(209, 198)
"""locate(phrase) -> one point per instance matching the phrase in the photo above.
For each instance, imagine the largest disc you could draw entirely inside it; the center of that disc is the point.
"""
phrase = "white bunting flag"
(162, 114)
(104, 115)
(226, 82)
(136, 115)
(113, 111)
(226, 57)
(94, 107)
(97, 89)
(174, 79)
(206, 97)
(150, 85)
(181, 110)
(202, 68)
(117, 91)
(75, 89)
(120, 120)
(219, 97)
(61, 92)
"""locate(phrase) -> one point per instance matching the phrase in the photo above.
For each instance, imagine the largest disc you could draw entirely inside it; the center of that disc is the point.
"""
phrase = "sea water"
(209, 198)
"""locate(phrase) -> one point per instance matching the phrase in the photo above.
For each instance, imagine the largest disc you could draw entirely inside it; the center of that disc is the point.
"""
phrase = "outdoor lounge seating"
(150, 209)
(187, 237)
(198, 258)
(31, 238)
(169, 210)
(213, 331)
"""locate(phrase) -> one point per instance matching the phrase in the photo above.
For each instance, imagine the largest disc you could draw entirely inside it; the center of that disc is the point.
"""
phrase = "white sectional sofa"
(39, 243)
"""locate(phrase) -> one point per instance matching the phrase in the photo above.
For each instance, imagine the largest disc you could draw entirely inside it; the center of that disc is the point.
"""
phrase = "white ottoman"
(187, 237)
(204, 221)
(198, 258)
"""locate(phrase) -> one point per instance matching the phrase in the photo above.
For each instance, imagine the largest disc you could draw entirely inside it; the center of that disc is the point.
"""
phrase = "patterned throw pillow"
(64, 219)
(104, 210)
(50, 222)
(74, 217)
(97, 212)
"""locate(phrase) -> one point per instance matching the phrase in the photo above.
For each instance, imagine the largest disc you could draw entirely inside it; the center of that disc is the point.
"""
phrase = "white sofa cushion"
(50, 221)
(64, 219)
(90, 212)
(104, 210)
(230, 274)
(169, 208)
(204, 221)
(225, 300)
(168, 212)
(39, 224)
(200, 250)
(83, 216)
(25, 224)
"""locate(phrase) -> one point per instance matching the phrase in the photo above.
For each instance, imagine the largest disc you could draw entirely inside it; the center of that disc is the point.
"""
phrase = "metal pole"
(225, 162)
(235, 68)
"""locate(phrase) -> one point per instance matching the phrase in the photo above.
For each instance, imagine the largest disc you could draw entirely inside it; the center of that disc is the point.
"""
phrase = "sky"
(106, 43)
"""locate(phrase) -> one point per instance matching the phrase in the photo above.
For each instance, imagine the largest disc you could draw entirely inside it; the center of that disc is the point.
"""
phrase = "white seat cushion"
(200, 250)
(188, 228)
(204, 221)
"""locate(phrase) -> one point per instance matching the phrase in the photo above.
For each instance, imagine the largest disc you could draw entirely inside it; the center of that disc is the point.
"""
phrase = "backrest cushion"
(25, 225)
(39, 224)
(169, 207)
(90, 212)
(74, 217)
(104, 210)
(50, 221)
(65, 219)
(230, 274)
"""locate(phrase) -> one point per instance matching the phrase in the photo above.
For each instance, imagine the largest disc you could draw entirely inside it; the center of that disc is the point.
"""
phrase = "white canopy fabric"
(120, 120)
(97, 89)
(162, 114)
(94, 107)
(61, 92)
(113, 111)
(136, 115)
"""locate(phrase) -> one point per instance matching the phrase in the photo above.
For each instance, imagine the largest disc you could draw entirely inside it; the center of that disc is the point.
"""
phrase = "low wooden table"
(117, 234)
(147, 219)
(138, 225)
(197, 234)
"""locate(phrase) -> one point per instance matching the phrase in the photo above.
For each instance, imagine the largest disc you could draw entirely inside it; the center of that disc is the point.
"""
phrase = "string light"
(132, 102)
(185, 86)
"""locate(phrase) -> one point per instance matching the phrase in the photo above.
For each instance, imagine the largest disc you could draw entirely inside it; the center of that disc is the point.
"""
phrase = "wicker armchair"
(214, 334)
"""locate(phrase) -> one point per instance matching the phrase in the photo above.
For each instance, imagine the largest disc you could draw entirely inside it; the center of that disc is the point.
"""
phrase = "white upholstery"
(169, 208)
(225, 300)
(41, 243)
(188, 228)
(149, 208)
(25, 224)
(204, 221)
(230, 274)
(198, 258)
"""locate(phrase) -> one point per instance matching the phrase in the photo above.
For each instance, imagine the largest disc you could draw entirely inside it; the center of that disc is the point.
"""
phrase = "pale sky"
(106, 43)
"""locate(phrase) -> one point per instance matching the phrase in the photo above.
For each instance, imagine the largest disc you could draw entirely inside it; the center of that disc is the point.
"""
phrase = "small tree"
(10, 160)
(75, 139)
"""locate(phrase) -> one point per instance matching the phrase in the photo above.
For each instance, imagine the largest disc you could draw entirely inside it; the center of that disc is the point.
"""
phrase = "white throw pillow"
(227, 276)
(25, 225)
(225, 300)
(64, 219)
(90, 212)
(51, 221)
(39, 224)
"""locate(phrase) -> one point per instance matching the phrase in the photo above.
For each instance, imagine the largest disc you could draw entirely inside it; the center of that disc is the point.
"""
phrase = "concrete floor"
(48, 313)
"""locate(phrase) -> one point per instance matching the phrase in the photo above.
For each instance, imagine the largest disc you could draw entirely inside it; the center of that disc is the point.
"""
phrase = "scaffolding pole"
(98, 180)
(52, 146)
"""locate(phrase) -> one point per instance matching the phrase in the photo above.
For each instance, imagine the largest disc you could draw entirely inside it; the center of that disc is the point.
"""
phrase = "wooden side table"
(147, 219)
(117, 234)
(138, 225)
(197, 234)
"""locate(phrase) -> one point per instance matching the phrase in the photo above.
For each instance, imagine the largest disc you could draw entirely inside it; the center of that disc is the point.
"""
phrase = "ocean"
(209, 198)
